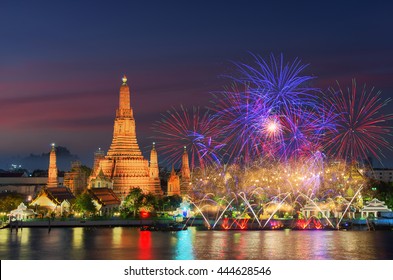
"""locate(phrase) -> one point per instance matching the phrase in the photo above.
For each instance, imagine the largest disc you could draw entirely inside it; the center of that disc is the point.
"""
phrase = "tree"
(150, 202)
(383, 191)
(133, 202)
(84, 204)
(10, 201)
(174, 201)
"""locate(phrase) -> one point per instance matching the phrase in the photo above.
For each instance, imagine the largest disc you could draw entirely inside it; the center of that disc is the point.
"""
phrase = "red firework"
(191, 129)
(361, 128)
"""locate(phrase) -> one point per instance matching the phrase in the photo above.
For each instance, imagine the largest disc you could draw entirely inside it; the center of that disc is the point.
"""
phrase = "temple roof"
(376, 205)
(59, 194)
(104, 196)
(315, 207)
(22, 210)
(101, 175)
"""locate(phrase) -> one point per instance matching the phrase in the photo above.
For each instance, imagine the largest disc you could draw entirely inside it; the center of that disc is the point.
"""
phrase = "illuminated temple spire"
(124, 142)
(173, 183)
(52, 170)
(185, 173)
(124, 79)
(124, 164)
(154, 171)
(185, 167)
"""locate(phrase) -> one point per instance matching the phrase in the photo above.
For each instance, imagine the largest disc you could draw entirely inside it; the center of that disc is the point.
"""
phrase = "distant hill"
(34, 161)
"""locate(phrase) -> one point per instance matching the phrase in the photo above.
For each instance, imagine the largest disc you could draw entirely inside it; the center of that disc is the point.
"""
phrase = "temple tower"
(98, 156)
(124, 163)
(155, 182)
(124, 142)
(173, 183)
(52, 170)
(154, 171)
(185, 173)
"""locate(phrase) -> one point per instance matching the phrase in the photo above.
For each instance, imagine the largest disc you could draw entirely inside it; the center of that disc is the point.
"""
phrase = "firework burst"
(361, 127)
(192, 129)
(241, 118)
(280, 84)
(274, 106)
(270, 112)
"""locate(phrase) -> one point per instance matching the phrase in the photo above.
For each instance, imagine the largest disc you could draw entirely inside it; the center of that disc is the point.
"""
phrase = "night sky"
(61, 62)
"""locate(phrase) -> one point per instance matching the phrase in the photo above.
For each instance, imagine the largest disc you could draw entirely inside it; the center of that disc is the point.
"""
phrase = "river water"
(122, 243)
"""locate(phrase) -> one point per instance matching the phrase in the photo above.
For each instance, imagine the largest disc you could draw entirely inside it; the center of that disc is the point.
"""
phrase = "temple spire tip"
(124, 79)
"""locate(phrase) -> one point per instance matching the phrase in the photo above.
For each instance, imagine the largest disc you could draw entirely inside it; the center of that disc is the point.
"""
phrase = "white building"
(21, 213)
(373, 207)
(381, 174)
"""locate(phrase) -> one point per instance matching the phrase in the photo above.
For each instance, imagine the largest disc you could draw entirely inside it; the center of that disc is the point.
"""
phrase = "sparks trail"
(269, 111)
(279, 83)
(361, 127)
(240, 117)
(191, 129)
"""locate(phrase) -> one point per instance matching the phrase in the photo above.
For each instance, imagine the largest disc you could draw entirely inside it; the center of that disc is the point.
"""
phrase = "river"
(123, 243)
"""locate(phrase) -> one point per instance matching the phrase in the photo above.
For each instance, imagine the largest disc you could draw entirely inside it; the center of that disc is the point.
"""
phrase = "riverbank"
(349, 224)
(86, 223)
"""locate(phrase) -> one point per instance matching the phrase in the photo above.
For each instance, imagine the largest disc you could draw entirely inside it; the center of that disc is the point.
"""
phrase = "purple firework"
(280, 84)
(241, 118)
(259, 120)
(191, 129)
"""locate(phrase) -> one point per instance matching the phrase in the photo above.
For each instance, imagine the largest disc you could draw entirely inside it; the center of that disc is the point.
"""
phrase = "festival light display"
(274, 144)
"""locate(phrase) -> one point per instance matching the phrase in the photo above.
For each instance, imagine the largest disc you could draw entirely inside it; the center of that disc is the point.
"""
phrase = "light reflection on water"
(184, 244)
(130, 243)
(77, 238)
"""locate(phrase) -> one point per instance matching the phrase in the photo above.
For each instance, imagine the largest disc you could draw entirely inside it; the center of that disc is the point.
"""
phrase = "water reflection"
(240, 244)
(184, 244)
(117, 237)
(130, 243)
(77, 238)
(145, 246)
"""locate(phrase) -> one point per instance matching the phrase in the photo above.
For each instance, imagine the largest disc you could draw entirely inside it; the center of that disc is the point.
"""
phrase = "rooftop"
(104, 196)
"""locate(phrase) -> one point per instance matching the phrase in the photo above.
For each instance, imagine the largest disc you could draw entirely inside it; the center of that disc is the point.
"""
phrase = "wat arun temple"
(115, 173)
(124, 166)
